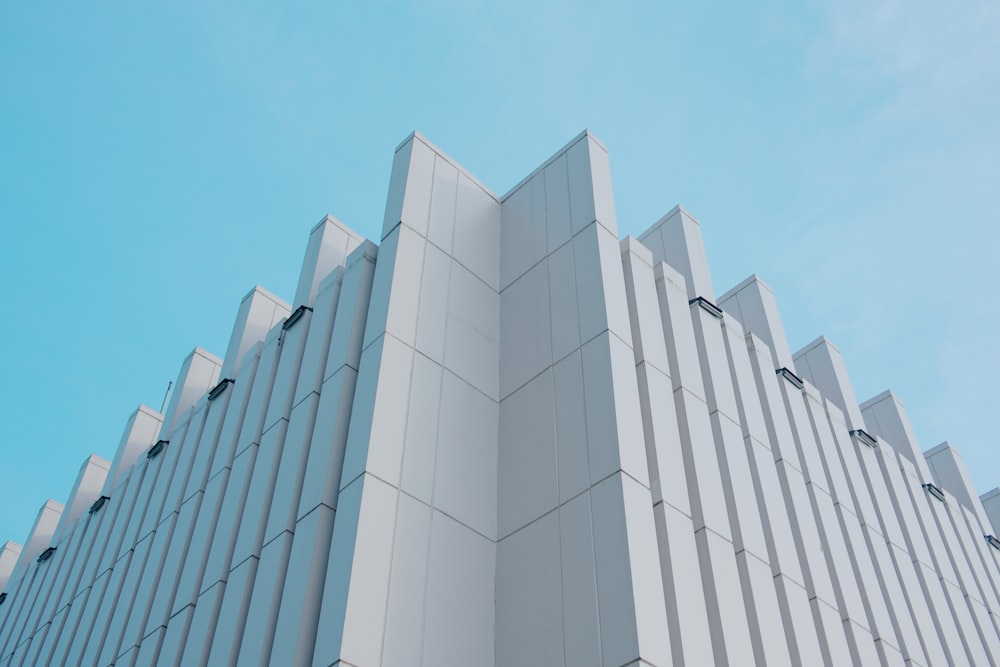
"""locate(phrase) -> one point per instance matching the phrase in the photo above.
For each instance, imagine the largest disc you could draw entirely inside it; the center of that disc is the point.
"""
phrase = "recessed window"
(993, 541)
(791, 377)
(865, 438)
(219, 388)
(155, 450)
(707, 306)
(98, 504)
(295, 317)
(3, 597)
(934, 491)
(45, 555)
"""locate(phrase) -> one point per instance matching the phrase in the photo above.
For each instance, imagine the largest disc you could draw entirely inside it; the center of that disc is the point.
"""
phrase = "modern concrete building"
(504, 436)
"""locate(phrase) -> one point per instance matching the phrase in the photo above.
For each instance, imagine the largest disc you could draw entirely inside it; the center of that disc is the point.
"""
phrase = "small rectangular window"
(98, 504)
(295, 317)
(155, 450)
(934, 491)
(791, 377)
(865, 438)
(707, 306)
(219, 388)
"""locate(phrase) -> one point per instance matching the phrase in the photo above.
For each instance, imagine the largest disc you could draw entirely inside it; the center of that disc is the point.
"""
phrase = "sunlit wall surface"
(504, 436)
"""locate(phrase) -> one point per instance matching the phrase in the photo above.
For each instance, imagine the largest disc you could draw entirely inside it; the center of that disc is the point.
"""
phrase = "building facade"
(503, 436)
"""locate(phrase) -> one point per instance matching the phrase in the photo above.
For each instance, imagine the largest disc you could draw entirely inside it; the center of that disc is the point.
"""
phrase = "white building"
(503, 436)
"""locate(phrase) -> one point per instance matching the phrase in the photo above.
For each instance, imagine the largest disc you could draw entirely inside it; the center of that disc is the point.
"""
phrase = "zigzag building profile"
(503, 436)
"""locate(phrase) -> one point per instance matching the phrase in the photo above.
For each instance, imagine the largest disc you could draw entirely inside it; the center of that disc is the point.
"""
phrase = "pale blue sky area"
(159, 159)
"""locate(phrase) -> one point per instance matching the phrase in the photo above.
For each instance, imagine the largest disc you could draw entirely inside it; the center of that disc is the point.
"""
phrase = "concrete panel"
(578, 579)
(761, 599)
(472, 345)
(9, 554)
(376, 437)
(572, 456)
(259, 312)
(223, 538)
(417, 476)
(801, 630)
(224, 644)
(434, 287)
(886, 417)
(527, 472)
(752, 302)
(321, 483)
(614, 420)
(523, 229)
(265, 601)
(356, 586)
(525, 328)
(529, 606)
(205, 526)
(349, 327)
(708, 506)
(991, 503)
(317, 347)
(807, 537)
(744, 513)
(237, 417)
(779, 432)
(664, 456)
(676, 239)
(563, 308)
(728, 622)
(293, 343)
(260, 494)
(466, 463)
(395, 293)
(410, 186)
(687, 612)
(141, 431)
(685, 369)
(199, 373)
(821, 363)
(330, 242)
(195, 647)
(476, 243)
(444, 197)
(459, 622)
(298, 617)
(952, 475)
(291, 469)
(39, 539)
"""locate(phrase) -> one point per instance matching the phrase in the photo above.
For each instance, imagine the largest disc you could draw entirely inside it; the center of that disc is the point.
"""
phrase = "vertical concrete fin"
(991, 504)
(39, 539)
(885, 416)
(87, 488)
(259, 311)
(198, 374)
(431, 333)
(952, 475)
(676, 239)
(753, 304)
(568, 368)
(9, 553)
(330, 242)
(821, 363)
(141, 431)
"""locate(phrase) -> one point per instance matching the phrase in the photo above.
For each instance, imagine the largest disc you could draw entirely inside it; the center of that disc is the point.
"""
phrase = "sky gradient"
(158, 161)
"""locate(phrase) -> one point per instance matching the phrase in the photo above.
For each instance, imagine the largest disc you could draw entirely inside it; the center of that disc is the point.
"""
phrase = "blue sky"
(159, 159)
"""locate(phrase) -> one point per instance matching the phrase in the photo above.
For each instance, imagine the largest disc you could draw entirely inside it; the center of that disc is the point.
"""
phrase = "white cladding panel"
(504, 437)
